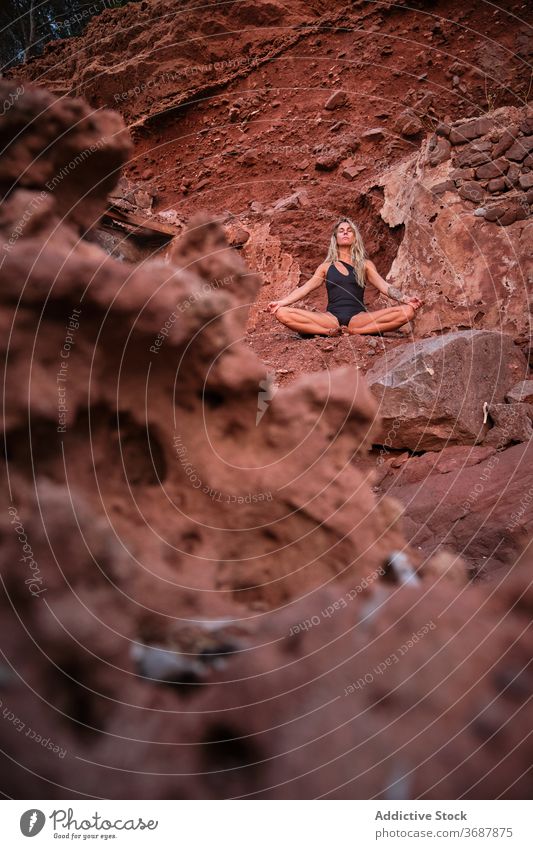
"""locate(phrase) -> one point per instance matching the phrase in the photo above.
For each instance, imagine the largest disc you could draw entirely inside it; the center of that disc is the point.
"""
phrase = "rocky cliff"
(237, 562)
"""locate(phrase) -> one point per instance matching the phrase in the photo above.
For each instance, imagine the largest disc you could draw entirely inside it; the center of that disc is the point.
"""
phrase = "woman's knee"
(282, 314)
(409, 312)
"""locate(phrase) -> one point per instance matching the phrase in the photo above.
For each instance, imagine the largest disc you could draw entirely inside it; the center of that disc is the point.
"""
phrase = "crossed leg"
(305, 321)
(380, 321)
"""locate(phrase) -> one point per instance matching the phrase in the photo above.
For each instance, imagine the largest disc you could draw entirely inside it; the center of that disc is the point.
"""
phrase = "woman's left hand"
(416, 303)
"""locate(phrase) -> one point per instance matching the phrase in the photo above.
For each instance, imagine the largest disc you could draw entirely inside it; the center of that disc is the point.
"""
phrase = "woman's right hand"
(274, 306)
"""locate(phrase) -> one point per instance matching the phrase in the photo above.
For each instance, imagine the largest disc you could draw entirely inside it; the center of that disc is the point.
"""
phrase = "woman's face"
(345, 235)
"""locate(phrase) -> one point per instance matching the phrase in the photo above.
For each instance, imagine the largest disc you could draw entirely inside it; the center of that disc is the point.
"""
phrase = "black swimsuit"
(345, 294)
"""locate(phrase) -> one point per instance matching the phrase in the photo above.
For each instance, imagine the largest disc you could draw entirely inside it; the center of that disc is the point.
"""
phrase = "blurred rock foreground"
(233, 565)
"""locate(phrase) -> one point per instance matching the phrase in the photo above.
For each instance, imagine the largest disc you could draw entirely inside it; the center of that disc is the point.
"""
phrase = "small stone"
(249, 158)
(443, 129)
(521, 392)
(440, 153)
(526, 127)
(408, 124)
(337, 99)
(350, 172)
(470, 130)
(290, 202)
(506, 212)
(440, 188)
(507, 139)
(375, 134)
(513, 174)
(512, 424)
(492, 169)
(143, 199)
(471, 191)
(520, 149)
(170, 215)
(497, 185)
(460, 174)
(526, 180)
(165, 666)
(471, 156)
(238, 238)
(329, 161)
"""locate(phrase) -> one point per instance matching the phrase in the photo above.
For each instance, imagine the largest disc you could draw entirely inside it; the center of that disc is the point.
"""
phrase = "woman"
(345, 271)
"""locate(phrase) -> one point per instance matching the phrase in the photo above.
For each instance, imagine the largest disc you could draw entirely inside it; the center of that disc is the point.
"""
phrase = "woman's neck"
(345, 255)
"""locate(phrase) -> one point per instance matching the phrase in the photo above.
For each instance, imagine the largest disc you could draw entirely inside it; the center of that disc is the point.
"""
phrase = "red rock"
(408, 124)
(416, 388)
(375, 134)
(350, 172)
(471, 156)
(482, 255)
(513, 174)
(512, 424)
(460, 174)
(506, 211)
(520, 148)
(497, 185)
(250, 158)
(526, 127)
(440, 188)
(497, 168)
(469, 509)
(442, 129)
(522, 392)
(237, 237)
(471, 191)
(508, 138)
(440, 153)
(526, 180)
(329, 161)
(290, 202)
(338, 98)
(62, 155)
(449, 459)
(470, 130)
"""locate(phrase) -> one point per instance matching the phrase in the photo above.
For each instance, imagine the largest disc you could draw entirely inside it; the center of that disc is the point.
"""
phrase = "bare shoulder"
(322, 268)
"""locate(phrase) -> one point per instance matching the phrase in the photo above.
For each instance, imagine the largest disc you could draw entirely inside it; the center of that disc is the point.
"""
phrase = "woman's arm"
(375, 278)
(301, 291)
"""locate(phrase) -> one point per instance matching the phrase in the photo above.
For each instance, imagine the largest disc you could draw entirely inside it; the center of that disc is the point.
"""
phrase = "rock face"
(431, 392)
(466, 211)
(477, 502)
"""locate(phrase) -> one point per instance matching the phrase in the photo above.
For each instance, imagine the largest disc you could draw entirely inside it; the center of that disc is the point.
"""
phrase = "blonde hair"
(358, 257)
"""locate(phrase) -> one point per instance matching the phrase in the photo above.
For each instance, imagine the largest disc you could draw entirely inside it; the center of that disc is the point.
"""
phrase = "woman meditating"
(346, 270)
